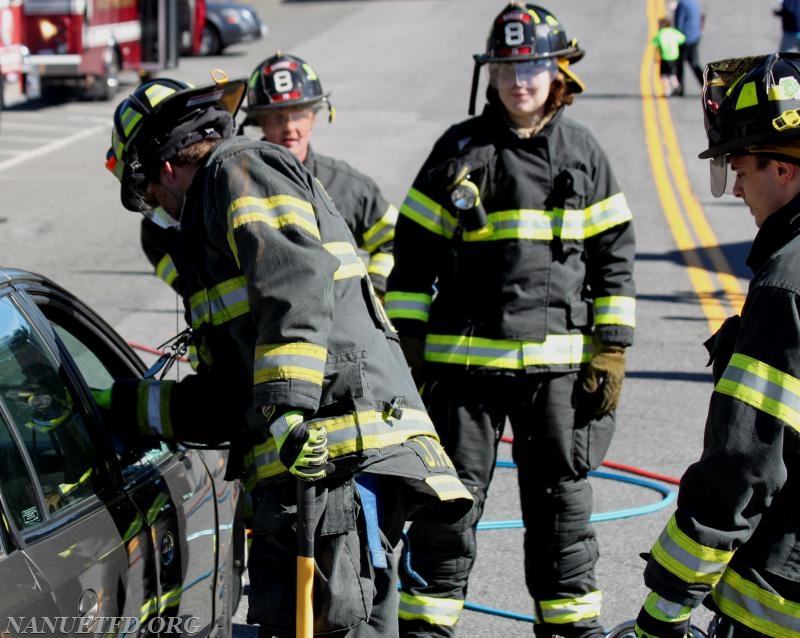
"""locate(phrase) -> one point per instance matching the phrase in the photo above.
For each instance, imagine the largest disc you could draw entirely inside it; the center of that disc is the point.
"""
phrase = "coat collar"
(777, 230)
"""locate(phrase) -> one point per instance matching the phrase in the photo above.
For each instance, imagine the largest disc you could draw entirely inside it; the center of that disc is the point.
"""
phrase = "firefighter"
(517, 223)
(736, 533)
(283, 99)
(298, 366)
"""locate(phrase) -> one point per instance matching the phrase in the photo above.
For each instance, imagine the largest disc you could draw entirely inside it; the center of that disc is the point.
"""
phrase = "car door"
(172, 487)
(62, 500)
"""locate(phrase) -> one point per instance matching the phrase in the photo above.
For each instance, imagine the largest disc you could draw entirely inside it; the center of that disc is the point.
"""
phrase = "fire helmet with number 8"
(282, 81)
(526, 32)
(751, 105)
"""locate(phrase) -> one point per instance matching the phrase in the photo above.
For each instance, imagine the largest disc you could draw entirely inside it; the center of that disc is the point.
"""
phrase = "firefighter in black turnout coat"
(513, 295)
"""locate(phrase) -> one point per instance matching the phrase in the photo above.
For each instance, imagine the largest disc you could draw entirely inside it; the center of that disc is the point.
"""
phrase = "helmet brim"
(320, 99)
(572, 54)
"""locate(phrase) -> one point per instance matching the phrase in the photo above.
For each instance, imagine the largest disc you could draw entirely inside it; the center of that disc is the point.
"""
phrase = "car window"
(85, 352)
(17, 486)
(40, 402)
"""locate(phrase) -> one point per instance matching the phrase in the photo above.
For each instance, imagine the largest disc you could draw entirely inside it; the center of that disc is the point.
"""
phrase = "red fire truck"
(11, 50)
(86, 43)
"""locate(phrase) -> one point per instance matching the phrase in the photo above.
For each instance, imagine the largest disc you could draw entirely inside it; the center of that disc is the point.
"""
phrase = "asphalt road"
(399, 72)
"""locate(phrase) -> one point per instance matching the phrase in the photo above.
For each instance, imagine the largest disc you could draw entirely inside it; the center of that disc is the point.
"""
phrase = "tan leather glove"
(604, 374)
(414, 351)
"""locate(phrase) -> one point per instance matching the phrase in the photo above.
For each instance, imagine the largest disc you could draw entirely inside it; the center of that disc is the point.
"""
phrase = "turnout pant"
(556, 443)
(353, 598)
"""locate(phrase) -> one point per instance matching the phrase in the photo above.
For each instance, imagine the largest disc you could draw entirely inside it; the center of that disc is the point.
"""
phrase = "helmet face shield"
(520, 73)
(721, 175)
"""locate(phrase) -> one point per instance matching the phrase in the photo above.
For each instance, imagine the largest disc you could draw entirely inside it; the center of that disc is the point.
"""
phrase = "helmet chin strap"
(476, 76)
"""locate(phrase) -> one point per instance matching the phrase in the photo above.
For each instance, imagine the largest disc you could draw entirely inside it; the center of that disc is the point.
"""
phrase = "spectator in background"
(789, 12)
(689, 19)
(668, 41)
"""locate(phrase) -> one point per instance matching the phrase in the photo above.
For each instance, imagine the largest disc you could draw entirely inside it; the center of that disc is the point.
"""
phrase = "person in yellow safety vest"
(300, 369)
(513, 296)
(733, 542)
(283, 99)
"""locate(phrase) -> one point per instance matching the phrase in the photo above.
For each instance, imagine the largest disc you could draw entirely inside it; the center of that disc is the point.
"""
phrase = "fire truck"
(87, 43)
(12, 52)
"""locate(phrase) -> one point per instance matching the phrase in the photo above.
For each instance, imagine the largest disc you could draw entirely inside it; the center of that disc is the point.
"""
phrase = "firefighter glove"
(660, 618)
(102, 398)
(303, 450)
(604, 374)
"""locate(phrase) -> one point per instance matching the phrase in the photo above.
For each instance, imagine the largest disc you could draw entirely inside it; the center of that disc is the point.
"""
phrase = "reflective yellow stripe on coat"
(765, 388)
(755, 607)
(508, 355)
(687, 559)
(347, 434)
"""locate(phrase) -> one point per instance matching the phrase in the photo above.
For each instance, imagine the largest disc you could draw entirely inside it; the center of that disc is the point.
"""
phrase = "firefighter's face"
(290, 127)
(764, 184)
(523, 88)
(170, 190)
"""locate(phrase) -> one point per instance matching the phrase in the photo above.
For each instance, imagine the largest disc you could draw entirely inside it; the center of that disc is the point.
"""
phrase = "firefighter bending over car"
(734, 541)
(298, 366)
(284, 97)
(513, 295)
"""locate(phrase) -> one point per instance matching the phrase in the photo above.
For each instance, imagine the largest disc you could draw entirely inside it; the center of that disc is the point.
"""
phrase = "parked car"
(229, 23)
(95, 524)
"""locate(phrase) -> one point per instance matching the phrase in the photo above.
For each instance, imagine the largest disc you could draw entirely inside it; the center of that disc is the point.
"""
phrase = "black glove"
(659, 618)
(304, 451)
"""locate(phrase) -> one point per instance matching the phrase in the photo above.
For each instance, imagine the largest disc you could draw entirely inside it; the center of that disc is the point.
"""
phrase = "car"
(228, 23)
(122, 533)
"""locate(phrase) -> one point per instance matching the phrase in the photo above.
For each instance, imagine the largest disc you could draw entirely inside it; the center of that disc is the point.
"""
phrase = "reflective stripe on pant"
(555, 445)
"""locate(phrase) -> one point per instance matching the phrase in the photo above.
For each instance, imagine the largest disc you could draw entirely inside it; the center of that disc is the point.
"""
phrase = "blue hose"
(668, 494)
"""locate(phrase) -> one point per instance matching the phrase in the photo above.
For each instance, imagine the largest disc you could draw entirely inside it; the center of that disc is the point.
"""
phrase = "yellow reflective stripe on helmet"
(428, 214)
(277, 212)
(408, 305)
(350, 264)
(570, 610)
(763, 387)
(129, 118)
(748, 96)
(763, 611)
(615, 310)
(157, 93)
(299, 360)
(166, 270)
(434, 611)
(381, 264)
(508, 355)
(687, 559)
(382, 230)
(347, 434)
(153, 408)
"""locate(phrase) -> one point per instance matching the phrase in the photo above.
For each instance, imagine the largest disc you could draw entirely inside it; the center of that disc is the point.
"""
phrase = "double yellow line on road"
(718, 291)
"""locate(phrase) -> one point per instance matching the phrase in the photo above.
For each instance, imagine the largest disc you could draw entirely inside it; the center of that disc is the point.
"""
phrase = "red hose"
(630, 469)
(148, 349)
